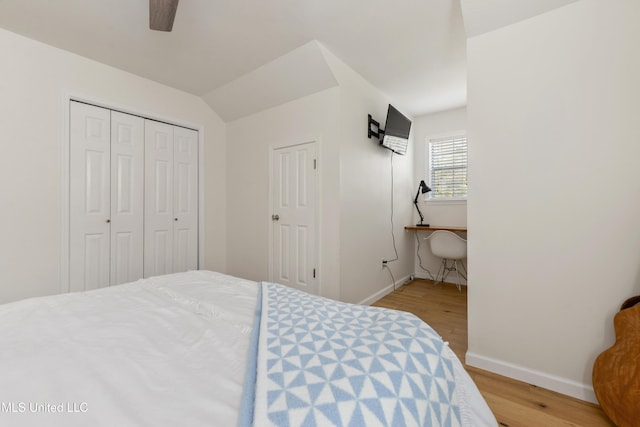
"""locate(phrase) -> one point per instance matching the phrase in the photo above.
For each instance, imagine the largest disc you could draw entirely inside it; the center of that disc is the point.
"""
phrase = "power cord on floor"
(393, 281)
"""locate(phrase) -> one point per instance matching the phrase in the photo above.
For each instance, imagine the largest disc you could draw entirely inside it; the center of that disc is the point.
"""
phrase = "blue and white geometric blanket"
(321, 363)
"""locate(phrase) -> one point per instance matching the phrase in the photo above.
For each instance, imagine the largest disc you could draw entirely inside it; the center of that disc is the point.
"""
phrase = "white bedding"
(163, 351)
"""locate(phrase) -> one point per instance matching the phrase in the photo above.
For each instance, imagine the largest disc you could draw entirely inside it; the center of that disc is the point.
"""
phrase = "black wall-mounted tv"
(396, 131)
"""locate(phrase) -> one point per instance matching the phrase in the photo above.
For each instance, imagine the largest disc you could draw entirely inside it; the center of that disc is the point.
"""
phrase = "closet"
(171, 199)
(133, 197)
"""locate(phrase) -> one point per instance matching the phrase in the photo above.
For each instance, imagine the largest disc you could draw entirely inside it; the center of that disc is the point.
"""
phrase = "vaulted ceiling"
(412, 50)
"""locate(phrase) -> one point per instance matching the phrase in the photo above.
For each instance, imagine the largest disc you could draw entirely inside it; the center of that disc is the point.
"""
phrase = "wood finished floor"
(514, 403)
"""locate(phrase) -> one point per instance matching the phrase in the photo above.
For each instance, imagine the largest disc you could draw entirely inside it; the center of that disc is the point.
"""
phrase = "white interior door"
(158, 222)
(294, 217)
(89, 197)
(185, 201)
(127, 198)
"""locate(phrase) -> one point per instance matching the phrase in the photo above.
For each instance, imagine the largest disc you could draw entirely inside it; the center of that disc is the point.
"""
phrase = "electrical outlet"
(384, 262)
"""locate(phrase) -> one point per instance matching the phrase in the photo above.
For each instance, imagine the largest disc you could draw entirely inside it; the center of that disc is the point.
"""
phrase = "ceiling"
(487, 15)
(412, 50)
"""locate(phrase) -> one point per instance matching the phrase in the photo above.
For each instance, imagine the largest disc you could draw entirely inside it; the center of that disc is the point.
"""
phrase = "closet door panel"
(185, 202)
(158, 199)
(162, 255)
(89, 197)
(133, 198)
(127, 197)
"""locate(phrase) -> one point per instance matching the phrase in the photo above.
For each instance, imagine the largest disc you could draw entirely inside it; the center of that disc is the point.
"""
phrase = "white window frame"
(429, 197)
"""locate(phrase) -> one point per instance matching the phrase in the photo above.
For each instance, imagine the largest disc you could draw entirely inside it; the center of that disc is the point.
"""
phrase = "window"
(448, 167)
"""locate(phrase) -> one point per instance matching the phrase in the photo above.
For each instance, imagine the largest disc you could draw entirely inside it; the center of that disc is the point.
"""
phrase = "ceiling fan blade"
(161, 14)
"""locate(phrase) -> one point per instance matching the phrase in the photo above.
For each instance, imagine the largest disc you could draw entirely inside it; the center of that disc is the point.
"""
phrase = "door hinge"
(314, 273)
(315, 164)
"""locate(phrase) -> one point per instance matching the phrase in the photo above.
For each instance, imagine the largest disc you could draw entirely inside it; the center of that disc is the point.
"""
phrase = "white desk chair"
(452, 249)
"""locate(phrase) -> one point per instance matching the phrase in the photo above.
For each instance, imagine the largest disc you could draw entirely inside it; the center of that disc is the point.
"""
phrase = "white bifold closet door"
(106, 197)
(171, 199)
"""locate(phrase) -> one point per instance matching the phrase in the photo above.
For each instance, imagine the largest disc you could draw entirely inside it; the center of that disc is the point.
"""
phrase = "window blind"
(448, 167)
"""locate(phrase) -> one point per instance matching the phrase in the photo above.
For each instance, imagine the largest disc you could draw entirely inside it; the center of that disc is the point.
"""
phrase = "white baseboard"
(530, 376)
(450, 278)
(421, 275)
(384, 291)
(540, 379)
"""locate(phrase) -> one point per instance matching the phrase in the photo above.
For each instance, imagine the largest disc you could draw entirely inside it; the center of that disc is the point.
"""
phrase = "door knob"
(275, 217)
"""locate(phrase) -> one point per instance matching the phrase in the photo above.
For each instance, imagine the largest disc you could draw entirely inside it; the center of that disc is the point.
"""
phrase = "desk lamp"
(422, 188)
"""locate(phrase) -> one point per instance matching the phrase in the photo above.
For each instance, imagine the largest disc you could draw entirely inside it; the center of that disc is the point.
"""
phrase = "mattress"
(164, 351)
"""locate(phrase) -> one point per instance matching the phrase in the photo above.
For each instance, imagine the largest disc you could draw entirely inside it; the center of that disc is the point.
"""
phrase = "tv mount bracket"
(379, 133)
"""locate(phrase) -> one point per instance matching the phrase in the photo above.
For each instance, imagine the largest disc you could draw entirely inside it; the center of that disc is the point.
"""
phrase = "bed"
(206, 349)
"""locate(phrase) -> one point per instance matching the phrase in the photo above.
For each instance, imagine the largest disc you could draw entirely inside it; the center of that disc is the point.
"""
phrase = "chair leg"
(465, 270)
(442, 268)
(447, 269)
(458, 284)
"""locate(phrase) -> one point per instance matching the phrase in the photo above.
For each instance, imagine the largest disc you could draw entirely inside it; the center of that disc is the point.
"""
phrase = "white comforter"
(165, 351)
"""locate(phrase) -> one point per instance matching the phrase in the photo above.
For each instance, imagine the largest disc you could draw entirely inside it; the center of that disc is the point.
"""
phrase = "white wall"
(554, 242)
(250, 139)
(35, 78)
(365, 193)
(355, 181)
(442, 213)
